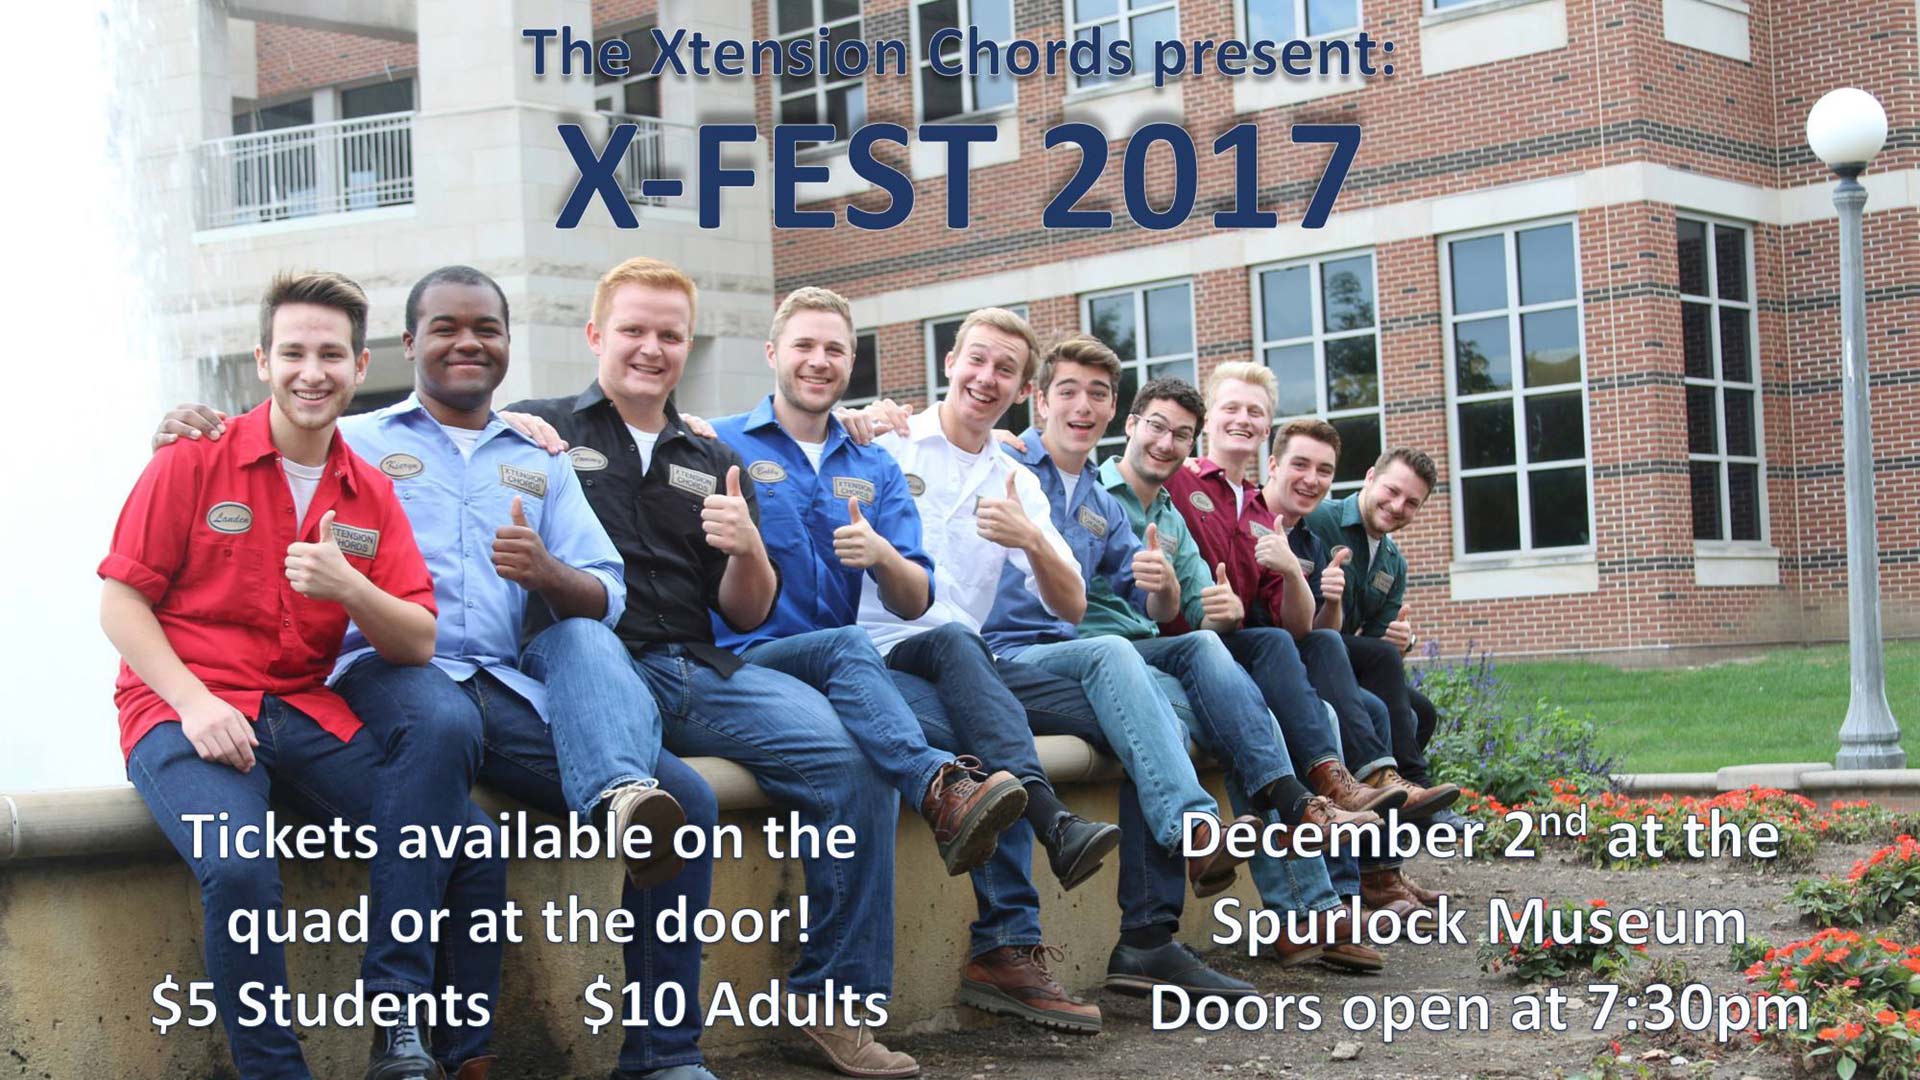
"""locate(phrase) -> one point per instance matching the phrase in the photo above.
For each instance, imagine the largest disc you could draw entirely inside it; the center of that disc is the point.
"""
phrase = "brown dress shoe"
(1326, 813)
(1427, 897)
(475, 1068)
(636, 804)
(1343, 952)
(853, 1051)
(1331, 779)
(1214, 873)
(968, 810)
(1384, 889)
(1422, 802)
(1014, 980)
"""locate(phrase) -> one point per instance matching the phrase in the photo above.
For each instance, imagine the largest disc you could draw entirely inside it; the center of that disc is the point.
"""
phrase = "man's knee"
(236, 884)
(578, 640)
(953, 639)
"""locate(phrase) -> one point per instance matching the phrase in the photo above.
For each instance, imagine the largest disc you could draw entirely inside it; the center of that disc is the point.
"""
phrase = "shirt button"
(589, 483)
(661, 619)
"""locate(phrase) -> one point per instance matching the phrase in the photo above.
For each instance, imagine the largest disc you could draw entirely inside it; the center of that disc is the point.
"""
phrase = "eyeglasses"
(1182, 436)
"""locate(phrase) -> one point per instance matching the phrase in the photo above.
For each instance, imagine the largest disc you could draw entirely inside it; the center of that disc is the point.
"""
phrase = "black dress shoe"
(399, 1053)
(1446, 819)
(1076, 846)
(1137, 971)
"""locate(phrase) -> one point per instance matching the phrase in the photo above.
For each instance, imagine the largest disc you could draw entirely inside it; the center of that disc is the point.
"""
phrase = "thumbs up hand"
(1273, 553)
(1150, 569)
(1333, 576)
(1005, 521)
(856, 544)
(727, 521)
(1400, 631)
(1222, 605)
(319, 571)
(519, 555)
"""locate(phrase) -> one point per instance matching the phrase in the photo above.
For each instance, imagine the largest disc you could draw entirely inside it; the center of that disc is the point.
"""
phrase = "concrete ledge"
(1813, 778)
(95, 910)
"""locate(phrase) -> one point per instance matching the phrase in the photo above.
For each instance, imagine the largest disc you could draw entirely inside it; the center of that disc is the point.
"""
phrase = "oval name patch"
(402, 466)
(767, 472)
(587, 459)
(230, 517)
(1201, 502)
(916, 487)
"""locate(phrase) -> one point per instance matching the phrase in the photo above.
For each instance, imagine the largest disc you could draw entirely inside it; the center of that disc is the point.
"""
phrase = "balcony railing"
(661, 150)
(301, 171)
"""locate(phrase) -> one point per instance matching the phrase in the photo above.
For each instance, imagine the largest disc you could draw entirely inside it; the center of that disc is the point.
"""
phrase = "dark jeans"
(409, 777)
(1379, 669)
(522, 761)
(1365, 727)
(985, 717)
(1426, 717)
(1273, 659)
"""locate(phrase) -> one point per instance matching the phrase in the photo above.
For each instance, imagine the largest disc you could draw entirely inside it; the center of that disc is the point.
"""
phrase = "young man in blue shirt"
(839, 519)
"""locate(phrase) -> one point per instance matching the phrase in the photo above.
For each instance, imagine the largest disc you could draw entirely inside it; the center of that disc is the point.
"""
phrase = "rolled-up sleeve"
(150, 538)
(573, 534)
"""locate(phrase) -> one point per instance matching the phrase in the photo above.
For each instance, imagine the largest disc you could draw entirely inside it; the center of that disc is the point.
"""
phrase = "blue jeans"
(363, 781)
(1292, 883)
(605, 730)
(784, 733)
(1271, 657)
(1140, 725)
(843, 664)
(1366, 737)
(1225, 713)
(1003, 892)
(983, 716)
(524, 760)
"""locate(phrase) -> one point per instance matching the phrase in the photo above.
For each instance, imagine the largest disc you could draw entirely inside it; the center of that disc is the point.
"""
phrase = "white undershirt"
(813, 450)
(1373, 550)
(1072, 481)
(302, 480)
(644, 441)
(464, 440)
(1239, 500)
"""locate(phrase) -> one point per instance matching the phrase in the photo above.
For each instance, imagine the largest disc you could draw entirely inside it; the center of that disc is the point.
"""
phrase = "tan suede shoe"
(853, 1051)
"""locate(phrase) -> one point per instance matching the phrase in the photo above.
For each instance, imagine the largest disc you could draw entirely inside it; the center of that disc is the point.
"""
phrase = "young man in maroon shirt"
(234, 569)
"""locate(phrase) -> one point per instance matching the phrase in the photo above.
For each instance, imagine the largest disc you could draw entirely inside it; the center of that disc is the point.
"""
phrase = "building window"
(1448, 5)
(1724, 451)
(638, 94)
(1319, 334)
(863, 386)
(295, 113)
(817, 98)
(1144, 23)
(1518, 390)
(941, 334)
(377, 99)
(1286, 20)
(1151, 329)
(942, 96)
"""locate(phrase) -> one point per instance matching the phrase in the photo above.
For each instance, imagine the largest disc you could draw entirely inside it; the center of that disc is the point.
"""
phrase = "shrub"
(1506, 753)
(1553, 958)
(1879, 888)
(1863, 997)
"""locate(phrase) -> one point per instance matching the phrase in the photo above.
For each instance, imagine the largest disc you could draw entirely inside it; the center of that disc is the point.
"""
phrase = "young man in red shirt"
(234, 569)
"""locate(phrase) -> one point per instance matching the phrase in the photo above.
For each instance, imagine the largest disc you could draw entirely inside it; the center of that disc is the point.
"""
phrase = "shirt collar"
(925, 425)
(593, 396)
(763, 416)
(253, 442)
(412, 407)
(1115, 481)
(1036, 453)
(1347, 510)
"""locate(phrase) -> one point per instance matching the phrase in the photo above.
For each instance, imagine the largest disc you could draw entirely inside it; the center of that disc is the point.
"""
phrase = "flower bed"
(1863, 995)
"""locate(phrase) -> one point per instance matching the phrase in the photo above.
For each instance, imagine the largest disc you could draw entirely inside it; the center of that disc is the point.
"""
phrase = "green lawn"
(1786, 705)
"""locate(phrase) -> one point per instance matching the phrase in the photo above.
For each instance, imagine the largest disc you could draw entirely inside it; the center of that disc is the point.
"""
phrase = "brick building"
(1583, 257)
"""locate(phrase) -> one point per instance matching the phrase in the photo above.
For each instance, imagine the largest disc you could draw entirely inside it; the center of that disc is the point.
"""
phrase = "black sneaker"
(1137, 971)
(399, 1053)
(1076, 846)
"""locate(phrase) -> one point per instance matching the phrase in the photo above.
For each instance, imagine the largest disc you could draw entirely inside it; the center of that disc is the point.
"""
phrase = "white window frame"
(879, 391)
(616, 88)
(1141, 361)
(1719, 384)
(1518, 394)
(1434, 7)
(820, 84)
(1129, 11)
(922, 65)
(936, 368)
(1244, 28)
(1318, 337)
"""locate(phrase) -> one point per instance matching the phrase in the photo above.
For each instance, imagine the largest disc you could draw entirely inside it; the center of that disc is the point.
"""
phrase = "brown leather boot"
(853, 1051)
(1331, 779)
(968, 810)
(1422, 802)
(1344, 953)
(1014, 980)
(1326, 813)
(636, 804)
(1385, 889)
(1214, 873)
(1427, 897)
(475, 1068)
